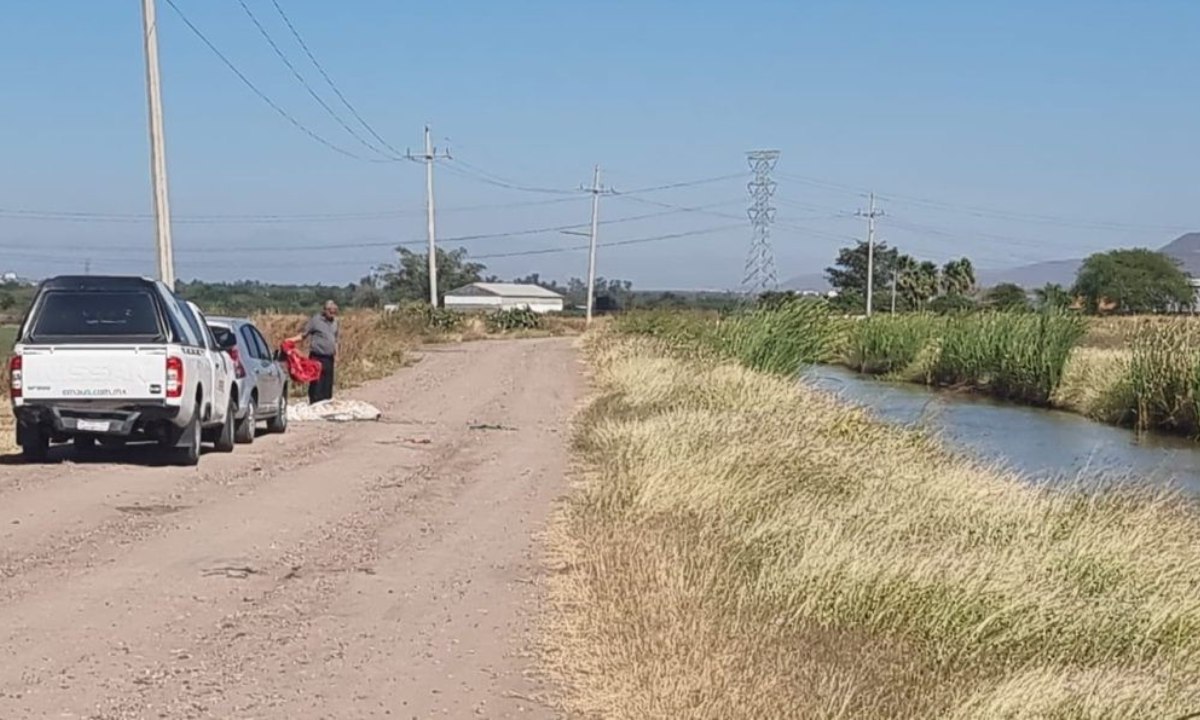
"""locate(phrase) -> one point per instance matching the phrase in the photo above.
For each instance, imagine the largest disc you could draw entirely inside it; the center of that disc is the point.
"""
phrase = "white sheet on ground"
(335, 410)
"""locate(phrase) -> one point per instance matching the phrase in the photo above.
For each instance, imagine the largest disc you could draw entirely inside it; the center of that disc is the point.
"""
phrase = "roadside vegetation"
(1142, 373)
(741, 545)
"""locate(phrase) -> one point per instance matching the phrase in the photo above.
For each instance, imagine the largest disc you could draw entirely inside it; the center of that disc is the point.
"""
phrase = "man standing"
(321, 331)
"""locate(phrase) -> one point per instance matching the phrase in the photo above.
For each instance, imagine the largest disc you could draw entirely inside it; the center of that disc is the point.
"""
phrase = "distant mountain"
(813, 281)
(1185, 249)
(1036, 275)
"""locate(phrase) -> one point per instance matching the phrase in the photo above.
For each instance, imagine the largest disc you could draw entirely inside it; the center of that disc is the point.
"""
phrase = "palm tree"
(958, 277)
(927, 282)
(1052, 296)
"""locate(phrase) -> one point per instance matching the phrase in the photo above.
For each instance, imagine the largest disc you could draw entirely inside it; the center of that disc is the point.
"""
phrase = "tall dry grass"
(741, 546)
(369, 347)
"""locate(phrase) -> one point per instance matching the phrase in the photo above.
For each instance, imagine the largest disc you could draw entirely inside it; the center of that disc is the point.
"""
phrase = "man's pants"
(322, 389)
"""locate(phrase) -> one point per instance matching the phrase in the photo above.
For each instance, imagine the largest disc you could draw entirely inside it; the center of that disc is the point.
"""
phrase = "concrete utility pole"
(428, 158)
(870, 215)
(158, 153)
(893, 291)
(591, 289)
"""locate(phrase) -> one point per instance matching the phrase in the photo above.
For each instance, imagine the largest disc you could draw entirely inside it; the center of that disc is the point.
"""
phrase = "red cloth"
(302, 369)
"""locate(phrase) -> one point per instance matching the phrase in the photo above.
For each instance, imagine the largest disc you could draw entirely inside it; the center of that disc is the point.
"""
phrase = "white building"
(503, 296)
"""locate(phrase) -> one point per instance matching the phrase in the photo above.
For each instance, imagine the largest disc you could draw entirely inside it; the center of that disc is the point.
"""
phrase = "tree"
(408, 279)
(367, 293)
(951, 304)
(1135, 281)
(1052, 296)
(848, 275)
(958, 277)
(1007, 296)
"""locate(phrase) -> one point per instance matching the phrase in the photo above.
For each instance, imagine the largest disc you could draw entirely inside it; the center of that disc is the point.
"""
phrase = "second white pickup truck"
(114, 359)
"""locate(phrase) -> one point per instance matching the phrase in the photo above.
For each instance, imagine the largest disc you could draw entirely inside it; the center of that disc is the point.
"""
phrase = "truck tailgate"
(94, 372)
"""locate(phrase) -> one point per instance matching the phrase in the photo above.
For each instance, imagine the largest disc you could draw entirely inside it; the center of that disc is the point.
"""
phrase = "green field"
(8, 335)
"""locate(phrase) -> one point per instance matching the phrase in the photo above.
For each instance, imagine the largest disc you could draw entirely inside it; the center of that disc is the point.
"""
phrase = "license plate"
(92, 425)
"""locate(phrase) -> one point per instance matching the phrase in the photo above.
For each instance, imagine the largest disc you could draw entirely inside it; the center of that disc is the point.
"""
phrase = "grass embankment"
(744, 546)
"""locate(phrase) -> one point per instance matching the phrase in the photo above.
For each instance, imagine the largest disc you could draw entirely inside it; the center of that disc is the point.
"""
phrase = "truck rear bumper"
(69, 420)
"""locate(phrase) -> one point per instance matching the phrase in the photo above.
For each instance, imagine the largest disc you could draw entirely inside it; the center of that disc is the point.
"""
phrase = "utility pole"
(760, 273)
(158, 153)
(591, 290)
(428, 158)
(870, 215)
(893, 291)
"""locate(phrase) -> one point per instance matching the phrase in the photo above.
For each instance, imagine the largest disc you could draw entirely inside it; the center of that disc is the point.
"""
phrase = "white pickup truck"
(114, 359)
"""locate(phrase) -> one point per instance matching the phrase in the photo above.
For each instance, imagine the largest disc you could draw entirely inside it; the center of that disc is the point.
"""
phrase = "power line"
(242, 248)
(88, 216)
(490, 256)
(982, 211)
(329, 81)
(704, 210)
(614, 243)
(684, 184)
(478, 175)
(264, 97)
(300, 79)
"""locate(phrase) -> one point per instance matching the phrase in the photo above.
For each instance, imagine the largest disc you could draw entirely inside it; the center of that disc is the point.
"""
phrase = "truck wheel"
(279, 423)
(248, 425)
(35, 445)
(187, 450)
(224, 440)
(84, 444)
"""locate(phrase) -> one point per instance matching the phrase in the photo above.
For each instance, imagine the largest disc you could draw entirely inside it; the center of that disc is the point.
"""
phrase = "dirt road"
(339, 571)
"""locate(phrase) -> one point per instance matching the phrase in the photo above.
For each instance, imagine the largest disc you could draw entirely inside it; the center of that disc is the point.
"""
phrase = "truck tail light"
(238, 368)
(174, 377)
(15, 381)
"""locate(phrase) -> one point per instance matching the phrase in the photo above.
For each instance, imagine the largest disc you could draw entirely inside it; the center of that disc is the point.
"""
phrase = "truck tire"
(248, 425)
(279, 423)
(35, 445)
(85, 445)
(224, 441)
(187, 450)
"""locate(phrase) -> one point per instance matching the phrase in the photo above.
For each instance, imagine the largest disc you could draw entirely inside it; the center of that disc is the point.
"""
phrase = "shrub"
(1014, 356)
(889, 343)
(514, 319)
(1162, 387)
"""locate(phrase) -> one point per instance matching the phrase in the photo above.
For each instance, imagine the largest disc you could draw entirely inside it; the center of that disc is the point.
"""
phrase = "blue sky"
(1009, 132)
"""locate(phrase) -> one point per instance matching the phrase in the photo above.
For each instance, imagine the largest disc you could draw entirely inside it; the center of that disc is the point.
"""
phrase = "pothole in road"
(151, 509)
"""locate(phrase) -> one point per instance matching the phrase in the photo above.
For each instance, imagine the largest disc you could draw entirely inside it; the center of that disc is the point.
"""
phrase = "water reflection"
(1046, 445)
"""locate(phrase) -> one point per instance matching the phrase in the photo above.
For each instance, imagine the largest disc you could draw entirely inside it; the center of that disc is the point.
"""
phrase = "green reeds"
(1013, 356)
(889, 343)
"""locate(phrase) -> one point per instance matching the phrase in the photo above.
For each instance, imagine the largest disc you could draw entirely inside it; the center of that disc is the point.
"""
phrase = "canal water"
(1046, 446)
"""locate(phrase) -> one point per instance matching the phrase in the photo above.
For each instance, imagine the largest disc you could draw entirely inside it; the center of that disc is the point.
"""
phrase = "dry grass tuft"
(369, 347)
(741, 546)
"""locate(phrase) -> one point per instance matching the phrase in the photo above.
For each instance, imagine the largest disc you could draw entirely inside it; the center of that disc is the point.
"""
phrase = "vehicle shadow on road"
(136, 454)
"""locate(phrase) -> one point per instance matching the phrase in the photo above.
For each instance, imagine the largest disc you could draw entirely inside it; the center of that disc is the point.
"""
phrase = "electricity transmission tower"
(760, 273)
(428, 158)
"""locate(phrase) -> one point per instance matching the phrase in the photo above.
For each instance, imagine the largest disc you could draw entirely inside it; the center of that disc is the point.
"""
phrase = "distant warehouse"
(503, 296)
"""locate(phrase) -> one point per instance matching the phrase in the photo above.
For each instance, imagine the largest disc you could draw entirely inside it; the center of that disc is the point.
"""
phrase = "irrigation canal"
(1046, 446)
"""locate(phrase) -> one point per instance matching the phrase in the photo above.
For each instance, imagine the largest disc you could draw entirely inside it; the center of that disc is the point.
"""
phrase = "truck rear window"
(65, 314)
